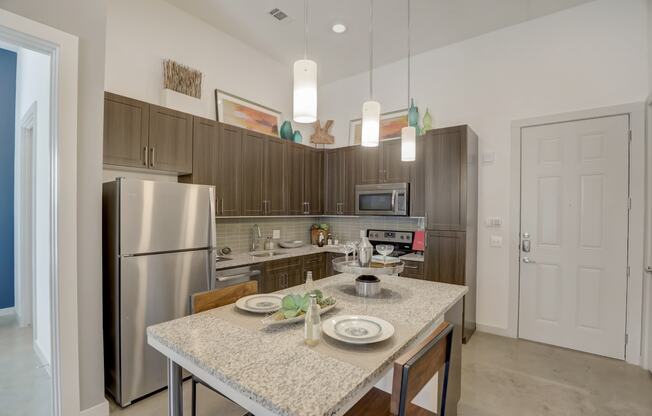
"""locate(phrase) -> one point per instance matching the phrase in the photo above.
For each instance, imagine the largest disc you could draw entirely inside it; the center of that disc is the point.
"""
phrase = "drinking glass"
(385, 250)
(347, 249)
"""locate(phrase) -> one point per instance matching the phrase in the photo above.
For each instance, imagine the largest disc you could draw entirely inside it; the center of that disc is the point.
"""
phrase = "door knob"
(527, 260)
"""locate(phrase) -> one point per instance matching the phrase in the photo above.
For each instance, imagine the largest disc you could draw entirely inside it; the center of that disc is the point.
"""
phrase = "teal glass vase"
(286, 130)
(413, 116)
(296, 137)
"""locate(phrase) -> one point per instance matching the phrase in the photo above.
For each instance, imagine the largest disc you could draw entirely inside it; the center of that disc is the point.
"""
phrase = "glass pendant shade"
(408, 144)
(370, 123)
(305, 91)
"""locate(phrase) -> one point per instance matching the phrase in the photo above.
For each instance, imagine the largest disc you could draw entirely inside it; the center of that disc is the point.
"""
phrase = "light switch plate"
(494, 222)
(276, 234)
(488, 157)
(496, 241)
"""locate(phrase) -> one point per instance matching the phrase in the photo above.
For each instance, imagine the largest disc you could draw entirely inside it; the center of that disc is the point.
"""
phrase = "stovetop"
(401, 240)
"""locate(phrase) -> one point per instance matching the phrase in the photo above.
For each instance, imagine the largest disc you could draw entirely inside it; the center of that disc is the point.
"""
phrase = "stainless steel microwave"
(382, 199)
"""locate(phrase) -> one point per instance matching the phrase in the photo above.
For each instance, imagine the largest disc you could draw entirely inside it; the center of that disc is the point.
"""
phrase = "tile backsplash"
(236, 232)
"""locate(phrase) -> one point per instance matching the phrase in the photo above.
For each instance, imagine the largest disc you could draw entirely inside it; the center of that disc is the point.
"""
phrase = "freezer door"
(154, 289)
(165, 216)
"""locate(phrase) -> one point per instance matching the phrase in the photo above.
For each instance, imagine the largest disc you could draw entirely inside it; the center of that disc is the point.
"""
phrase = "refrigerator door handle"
(212, 238)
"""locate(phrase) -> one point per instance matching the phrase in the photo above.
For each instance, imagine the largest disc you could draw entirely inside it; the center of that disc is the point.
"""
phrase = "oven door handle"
(238, 276)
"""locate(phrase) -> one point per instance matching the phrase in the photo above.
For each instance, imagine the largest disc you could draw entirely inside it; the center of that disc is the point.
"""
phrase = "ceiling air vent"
(278, 14)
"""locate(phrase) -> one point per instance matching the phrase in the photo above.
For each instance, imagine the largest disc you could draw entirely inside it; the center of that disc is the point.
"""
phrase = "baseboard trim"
(42, 358)
(101, 409)
(495, 330)
(8, 311)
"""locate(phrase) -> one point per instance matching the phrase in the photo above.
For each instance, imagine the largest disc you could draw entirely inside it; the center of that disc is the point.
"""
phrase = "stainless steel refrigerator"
(158, 249)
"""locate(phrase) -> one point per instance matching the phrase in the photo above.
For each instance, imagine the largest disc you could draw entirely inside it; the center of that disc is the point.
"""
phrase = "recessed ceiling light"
(339, 28)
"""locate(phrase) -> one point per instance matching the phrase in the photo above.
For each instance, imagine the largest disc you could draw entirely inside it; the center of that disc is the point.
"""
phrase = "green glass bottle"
(427, 121)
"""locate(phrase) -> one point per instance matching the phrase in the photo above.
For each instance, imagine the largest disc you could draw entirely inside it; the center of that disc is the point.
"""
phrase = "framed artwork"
(240, 112)
(390, 126)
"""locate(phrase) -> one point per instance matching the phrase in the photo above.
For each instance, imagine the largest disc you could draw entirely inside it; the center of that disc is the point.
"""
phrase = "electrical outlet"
(276, 234)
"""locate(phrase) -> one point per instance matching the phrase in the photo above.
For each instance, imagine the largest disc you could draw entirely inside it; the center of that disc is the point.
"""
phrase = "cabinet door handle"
(222, 206)
(410, 267)
(308, 207)
(145, 156)
(151, 159)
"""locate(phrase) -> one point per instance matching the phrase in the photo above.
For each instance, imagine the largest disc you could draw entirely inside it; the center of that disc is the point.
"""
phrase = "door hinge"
(627, 271)
(629, 204)
(630, 135)
(626, 338)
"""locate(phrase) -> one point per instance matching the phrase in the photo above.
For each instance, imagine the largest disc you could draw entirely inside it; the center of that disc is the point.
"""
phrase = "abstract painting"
(243, 113)
(390, 126)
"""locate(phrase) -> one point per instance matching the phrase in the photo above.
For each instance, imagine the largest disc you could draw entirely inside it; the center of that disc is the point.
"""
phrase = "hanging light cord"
(305, 29)
(371, 49)
(409, 54)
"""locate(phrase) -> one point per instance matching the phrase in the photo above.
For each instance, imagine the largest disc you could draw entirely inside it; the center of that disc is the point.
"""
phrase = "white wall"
(85, 19)
(33, 85)
(590, 56)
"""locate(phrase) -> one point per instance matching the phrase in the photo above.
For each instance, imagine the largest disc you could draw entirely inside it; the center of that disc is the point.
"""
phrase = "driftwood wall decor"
(180, 78)
(321, 134)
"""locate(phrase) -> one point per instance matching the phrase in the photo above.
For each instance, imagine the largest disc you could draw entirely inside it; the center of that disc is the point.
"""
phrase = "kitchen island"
(270, 371)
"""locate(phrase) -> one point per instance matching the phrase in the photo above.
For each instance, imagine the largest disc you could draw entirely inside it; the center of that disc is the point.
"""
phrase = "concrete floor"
(25, 386)
(504, 377)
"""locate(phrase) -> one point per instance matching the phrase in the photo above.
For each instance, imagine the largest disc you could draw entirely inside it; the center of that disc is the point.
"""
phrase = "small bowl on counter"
(292, 244)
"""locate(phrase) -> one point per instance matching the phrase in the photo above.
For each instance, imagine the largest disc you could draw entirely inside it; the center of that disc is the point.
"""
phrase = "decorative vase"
(296, 137)
(413, 116)
(286, 130)
(427, 121)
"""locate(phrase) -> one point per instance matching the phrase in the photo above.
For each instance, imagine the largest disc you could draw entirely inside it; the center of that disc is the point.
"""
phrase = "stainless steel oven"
(382, 199)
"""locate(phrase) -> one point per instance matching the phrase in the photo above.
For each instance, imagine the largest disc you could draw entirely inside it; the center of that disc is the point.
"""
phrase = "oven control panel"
(401, 237)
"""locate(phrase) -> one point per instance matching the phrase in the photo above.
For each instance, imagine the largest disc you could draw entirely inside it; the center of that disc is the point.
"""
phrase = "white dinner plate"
(261, 303)
(364, 333)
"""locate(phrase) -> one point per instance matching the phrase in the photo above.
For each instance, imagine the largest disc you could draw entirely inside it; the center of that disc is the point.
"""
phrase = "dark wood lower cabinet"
(314, 263)
(446, 260)
(281, 274)
(413, 269)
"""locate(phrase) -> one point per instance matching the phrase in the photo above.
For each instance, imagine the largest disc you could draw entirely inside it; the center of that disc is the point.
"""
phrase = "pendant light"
(371, 108)
(305, 81)
(409, 133)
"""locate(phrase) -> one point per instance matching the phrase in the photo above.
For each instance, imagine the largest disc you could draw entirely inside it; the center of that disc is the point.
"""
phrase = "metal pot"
(367, 286)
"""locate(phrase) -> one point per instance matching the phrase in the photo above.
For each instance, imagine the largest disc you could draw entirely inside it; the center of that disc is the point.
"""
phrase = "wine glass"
(385, 250)
(347, 249)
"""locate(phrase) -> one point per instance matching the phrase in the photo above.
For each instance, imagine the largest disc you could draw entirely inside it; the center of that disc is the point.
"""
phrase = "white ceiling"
(435, 23)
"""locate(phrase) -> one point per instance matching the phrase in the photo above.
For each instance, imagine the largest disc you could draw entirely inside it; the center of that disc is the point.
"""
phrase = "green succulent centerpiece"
(297, 305)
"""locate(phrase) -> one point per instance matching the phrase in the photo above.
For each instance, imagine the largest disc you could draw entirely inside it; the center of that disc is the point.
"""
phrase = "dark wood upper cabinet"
(349, 178)
(126, 131)
(275, 177)
(370, 171)
(333, 166)
(417, 181)
(313, 186)
(228, 166)
(217, 161)
(253, 163)
(394, 170)
(296, 176)
(170, 140)
(452, 153)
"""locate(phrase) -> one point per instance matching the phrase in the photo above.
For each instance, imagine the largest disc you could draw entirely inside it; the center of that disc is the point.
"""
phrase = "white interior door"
(574, 217)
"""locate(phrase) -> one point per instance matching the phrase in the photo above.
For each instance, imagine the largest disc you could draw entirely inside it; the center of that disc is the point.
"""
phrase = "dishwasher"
(236, 275)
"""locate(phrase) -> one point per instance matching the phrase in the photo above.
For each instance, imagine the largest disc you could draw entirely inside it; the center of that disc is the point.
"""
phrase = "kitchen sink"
(266, 253)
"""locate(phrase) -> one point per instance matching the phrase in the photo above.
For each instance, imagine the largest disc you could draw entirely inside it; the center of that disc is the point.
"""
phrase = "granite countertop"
(245, 259)
(273, 368)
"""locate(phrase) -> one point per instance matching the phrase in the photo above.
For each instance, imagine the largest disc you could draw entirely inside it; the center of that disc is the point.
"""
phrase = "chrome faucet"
(255, 235)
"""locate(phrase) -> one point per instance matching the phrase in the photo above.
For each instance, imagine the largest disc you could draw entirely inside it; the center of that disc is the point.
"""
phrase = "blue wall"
(7, 128)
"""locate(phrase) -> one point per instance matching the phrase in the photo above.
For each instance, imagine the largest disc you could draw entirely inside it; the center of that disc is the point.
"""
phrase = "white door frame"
(25, 285)
(636, 113)
(63, 50)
